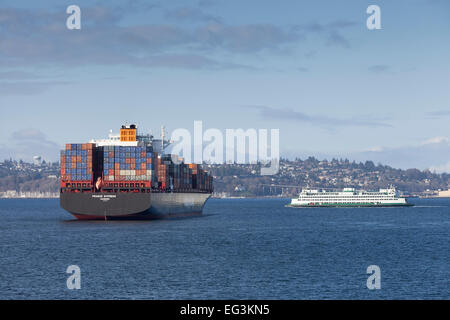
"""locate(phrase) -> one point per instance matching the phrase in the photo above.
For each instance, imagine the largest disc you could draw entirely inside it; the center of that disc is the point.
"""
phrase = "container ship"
(129, 176)
(349, 197)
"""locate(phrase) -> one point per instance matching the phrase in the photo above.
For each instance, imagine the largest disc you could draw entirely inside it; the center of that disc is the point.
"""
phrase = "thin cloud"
(191, 14)
(438, 114)
(17, 75)
(421, 155)
(103, 40)
(28, 134)
(332, 32)
(379, 68)
(27, 87)
(436, 140)
(26, 143)
(303, 69)
(244, 38)
(330, 122)
(336, 39)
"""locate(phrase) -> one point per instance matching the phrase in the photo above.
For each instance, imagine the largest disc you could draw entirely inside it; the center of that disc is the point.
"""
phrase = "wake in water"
(416, 206)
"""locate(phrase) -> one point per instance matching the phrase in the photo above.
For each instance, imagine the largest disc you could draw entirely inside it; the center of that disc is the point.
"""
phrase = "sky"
(312, 69)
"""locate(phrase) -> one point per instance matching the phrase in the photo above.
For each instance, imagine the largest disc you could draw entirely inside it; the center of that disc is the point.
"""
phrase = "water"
(239, 249)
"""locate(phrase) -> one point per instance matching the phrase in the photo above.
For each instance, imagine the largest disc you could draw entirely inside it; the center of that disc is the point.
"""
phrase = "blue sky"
(310, 68)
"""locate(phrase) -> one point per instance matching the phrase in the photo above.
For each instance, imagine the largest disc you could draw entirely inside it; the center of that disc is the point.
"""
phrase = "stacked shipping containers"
(162, 173)
(84, 163)
(200, 179)
(172, 175)
(77, 163)
(127, 164)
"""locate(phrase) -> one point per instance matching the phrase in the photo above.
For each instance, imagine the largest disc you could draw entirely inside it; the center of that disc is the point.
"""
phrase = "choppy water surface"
(239, 249)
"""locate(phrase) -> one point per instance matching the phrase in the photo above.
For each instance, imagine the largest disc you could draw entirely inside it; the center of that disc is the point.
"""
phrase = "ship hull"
(141, 206)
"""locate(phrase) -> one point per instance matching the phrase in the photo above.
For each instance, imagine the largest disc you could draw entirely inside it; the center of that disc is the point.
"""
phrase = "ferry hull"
(120, 206)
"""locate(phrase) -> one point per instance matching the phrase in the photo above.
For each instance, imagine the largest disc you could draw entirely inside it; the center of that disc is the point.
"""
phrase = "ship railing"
(133, 190)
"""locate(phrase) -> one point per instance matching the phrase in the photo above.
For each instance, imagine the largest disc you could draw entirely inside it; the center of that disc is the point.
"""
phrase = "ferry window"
(131, 184)
(121, 185)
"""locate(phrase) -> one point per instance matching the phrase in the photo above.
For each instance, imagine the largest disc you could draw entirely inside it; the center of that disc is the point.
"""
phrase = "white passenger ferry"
(349, 197)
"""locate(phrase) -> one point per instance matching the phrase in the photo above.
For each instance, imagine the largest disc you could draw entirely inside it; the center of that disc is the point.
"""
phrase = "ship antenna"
(162, 138)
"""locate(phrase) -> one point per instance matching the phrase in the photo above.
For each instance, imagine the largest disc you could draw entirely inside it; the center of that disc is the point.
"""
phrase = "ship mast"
(162, 137)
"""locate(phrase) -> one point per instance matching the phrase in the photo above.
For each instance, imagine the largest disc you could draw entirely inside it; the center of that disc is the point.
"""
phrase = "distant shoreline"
(4, 195)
